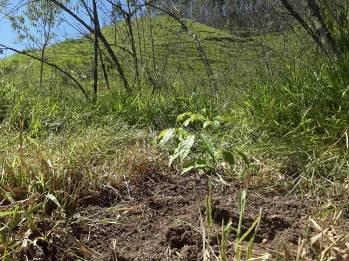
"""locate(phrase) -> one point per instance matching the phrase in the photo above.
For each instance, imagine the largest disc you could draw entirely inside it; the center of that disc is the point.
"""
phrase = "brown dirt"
(158, 217)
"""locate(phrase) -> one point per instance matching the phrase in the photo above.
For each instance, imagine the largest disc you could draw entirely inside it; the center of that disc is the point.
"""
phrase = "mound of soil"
(159, 217)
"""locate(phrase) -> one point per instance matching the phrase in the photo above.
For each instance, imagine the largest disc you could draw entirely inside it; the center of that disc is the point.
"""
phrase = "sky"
(9, 37)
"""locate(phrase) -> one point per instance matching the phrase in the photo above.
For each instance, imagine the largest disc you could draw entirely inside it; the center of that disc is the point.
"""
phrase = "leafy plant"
(194, 149)
(204, 120)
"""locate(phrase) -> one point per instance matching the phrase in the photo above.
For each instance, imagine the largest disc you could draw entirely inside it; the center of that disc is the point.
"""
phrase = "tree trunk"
(321, 30)
(104, 69)
(318, 29)
(199, 48)
(139, 39)
(95, 66)
(133, 46)
(300, 20)
(152, 41)
(127, 15)
(42, 56)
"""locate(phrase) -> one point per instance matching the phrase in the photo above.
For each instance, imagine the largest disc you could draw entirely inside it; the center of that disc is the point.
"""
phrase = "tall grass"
(55, 145)
(310, 100)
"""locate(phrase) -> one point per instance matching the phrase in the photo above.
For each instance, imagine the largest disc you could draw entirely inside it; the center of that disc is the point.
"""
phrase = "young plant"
(251, 231)
(241, 251)
(192, 136)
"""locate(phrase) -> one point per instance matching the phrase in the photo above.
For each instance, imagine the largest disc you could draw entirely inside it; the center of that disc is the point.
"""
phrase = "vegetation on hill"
(278, 124)
(175, 62)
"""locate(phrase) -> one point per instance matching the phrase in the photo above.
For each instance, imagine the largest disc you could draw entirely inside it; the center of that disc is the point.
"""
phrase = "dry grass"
(328, 239)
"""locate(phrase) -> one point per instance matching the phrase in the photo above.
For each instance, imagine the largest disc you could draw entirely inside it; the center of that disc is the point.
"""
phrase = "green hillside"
(234, 59)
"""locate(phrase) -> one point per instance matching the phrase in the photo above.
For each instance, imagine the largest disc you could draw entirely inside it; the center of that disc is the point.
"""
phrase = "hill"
(165, 53)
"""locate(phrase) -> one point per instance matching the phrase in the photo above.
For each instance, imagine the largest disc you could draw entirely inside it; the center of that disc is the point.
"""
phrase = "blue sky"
(9, 37)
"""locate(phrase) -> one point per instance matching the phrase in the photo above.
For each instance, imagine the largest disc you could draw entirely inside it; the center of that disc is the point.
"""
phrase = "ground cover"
(261, 172)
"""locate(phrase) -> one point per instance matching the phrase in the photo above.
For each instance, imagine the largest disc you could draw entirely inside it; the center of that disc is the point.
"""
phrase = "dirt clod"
(180, 236)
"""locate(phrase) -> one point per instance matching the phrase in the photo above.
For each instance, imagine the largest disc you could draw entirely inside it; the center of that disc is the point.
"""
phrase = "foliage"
(36, 23)
(207, 156)
(168, 74)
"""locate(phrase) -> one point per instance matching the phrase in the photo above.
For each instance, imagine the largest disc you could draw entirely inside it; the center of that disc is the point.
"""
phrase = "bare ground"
(159, 217)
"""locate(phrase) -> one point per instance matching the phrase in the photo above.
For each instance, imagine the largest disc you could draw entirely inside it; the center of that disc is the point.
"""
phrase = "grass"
(177, 63)
(286, 116)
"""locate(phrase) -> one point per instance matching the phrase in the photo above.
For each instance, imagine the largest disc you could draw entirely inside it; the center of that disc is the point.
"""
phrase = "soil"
(159, 217)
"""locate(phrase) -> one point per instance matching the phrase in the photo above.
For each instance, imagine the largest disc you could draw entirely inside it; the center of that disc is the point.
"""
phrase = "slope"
(165, 53)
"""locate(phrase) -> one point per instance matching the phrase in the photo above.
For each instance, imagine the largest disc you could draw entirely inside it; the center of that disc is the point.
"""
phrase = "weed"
(192, 135)
(227, 249)
(280, 123)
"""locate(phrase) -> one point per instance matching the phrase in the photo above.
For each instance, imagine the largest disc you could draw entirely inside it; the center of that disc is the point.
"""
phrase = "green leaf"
(183, 116)
(207, 124)
(216, 124)
(242, 206)
(197, 164)
(187, 169)
(10, 213)
(244, 157)
(181, 133)
(186, 145)
(173, 157)
(228, 157)
(54, 200)
(187, 122)
(250, 229)
(183, 149)
(201, 163)
(209, 146)
(166, 136)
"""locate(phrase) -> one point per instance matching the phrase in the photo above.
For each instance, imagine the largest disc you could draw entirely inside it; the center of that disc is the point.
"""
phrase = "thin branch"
(103, 40)
(198, 45)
